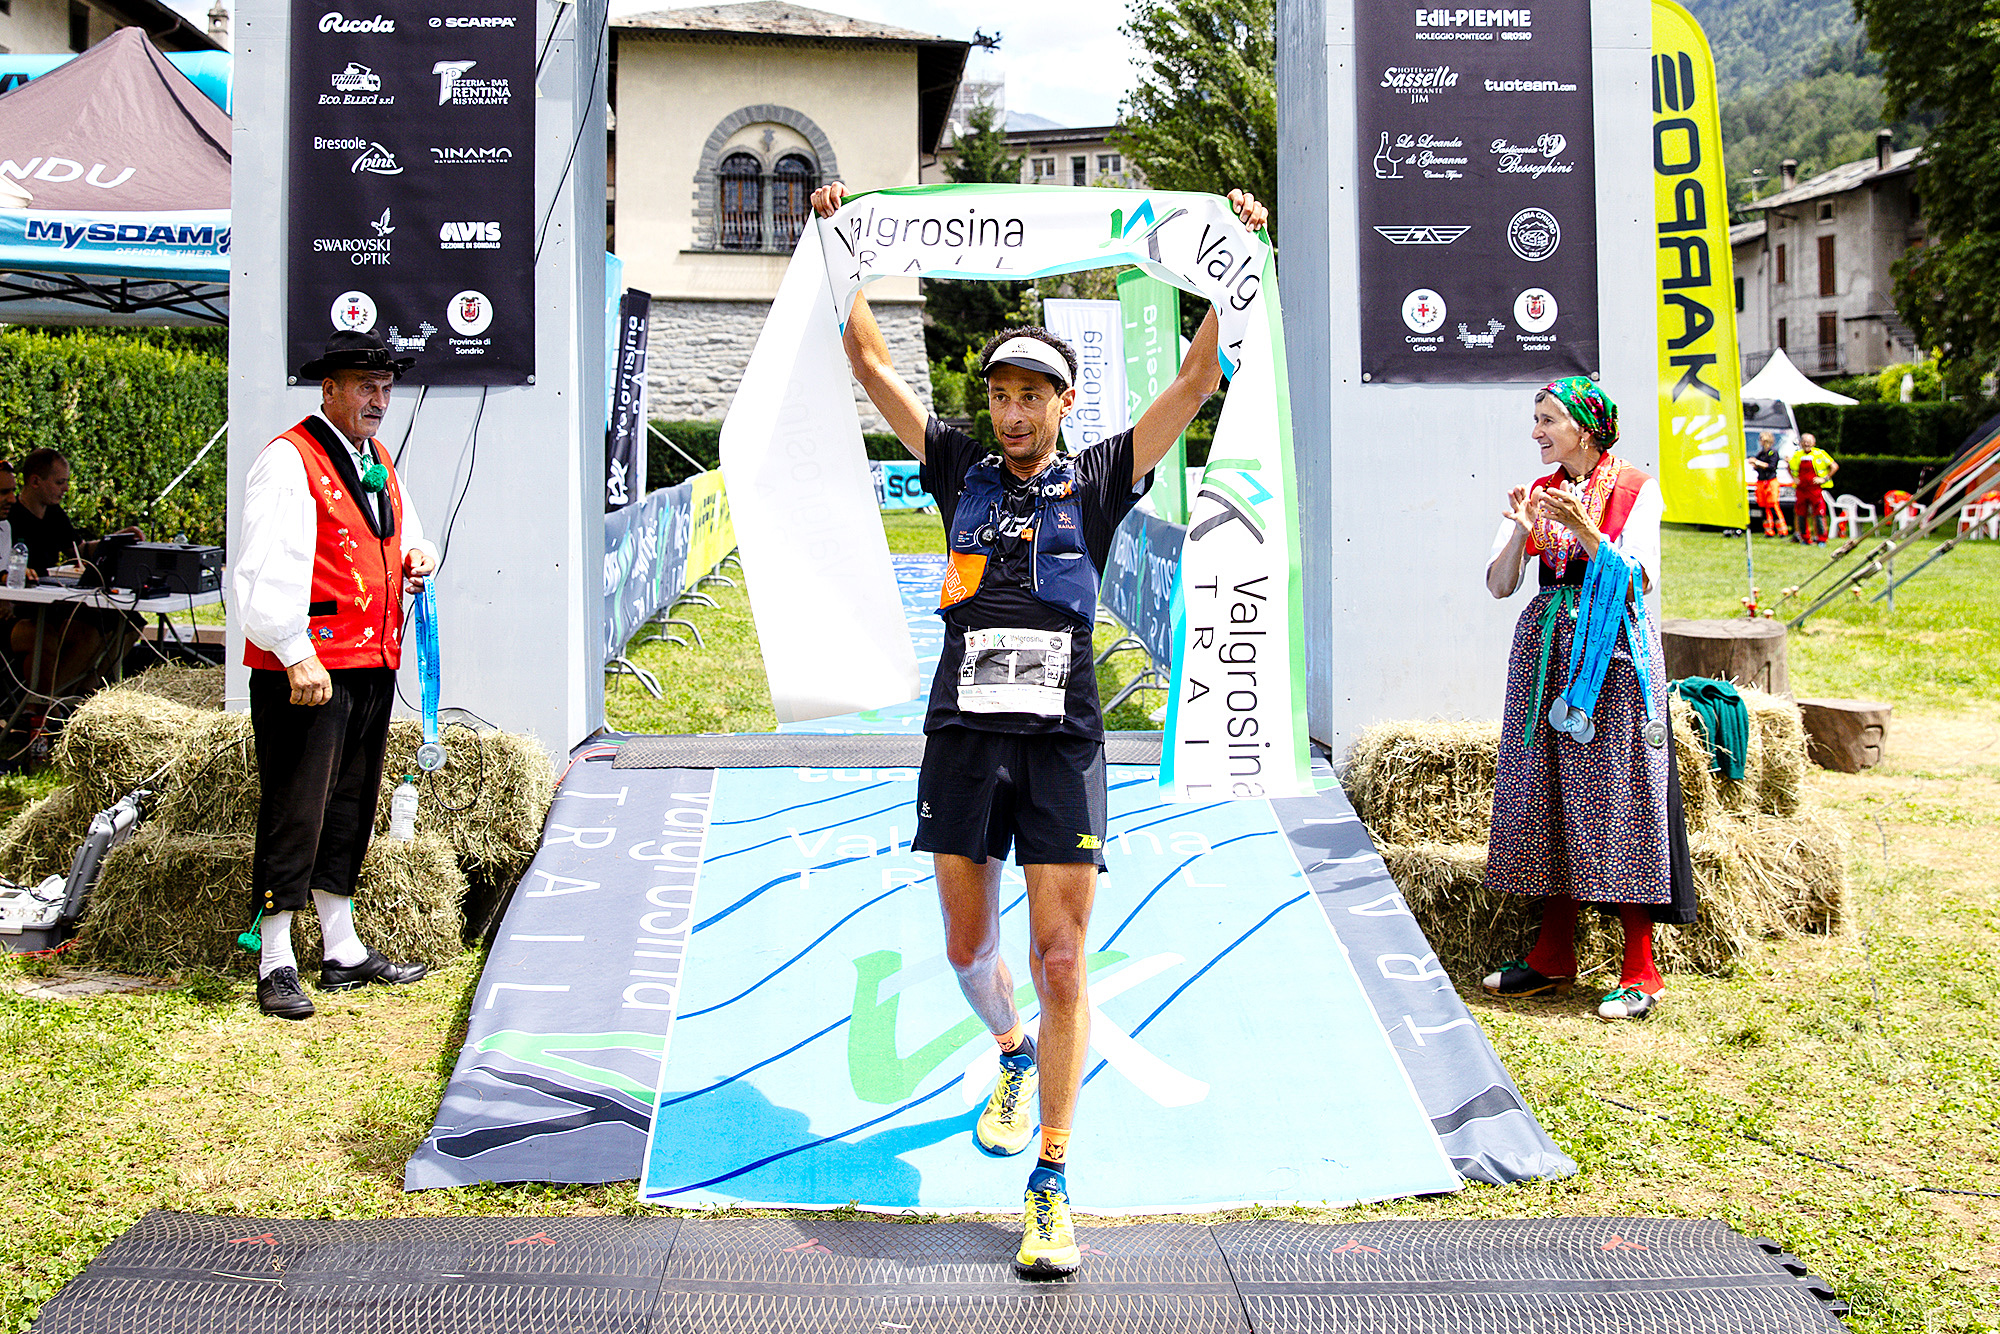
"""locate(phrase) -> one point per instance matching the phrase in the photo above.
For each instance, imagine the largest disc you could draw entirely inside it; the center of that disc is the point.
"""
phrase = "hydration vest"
(355, 610)
(1063, 575)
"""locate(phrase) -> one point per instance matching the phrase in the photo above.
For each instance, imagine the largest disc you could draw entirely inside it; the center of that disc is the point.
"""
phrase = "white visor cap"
(1030, 354)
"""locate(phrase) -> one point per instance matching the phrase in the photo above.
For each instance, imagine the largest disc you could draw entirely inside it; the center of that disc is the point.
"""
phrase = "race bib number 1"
(1014, 671)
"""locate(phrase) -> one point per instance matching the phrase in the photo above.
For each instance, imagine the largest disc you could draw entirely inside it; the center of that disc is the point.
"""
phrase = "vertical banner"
(1151, 311)
(625, 424)
(1701, 401)
(1478, 199)
(1093, 329)
(412, 171)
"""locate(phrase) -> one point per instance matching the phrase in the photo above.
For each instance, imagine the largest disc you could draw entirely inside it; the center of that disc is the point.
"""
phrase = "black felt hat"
(348, 350)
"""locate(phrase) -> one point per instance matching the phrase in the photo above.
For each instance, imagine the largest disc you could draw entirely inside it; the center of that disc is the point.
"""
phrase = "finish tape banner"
(1138, 583)
(812, 541)
(1701, 403)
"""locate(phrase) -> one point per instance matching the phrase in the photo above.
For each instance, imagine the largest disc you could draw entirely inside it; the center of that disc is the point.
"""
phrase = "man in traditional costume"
(329, 541)
(1595, 820)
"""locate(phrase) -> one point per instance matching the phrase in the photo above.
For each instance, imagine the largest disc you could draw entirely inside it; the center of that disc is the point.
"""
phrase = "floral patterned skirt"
(1586, 820)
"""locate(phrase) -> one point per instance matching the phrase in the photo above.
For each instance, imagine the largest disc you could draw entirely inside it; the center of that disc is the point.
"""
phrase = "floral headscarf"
(1589, 407)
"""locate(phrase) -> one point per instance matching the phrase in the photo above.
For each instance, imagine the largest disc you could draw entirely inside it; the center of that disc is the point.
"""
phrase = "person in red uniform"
(329, 543)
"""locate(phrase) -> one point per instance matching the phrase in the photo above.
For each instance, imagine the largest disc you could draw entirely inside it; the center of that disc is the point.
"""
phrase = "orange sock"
(1011, 1039)
(1055, 1149)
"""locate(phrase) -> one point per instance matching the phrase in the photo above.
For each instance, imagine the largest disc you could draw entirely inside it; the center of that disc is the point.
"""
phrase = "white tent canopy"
(1780, 379)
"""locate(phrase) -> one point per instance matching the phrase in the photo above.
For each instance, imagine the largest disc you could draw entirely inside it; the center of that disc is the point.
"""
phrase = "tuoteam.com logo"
(335, 21)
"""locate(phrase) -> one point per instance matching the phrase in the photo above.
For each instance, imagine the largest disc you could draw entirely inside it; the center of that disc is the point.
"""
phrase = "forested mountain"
(1798, 81)
(1764, 44)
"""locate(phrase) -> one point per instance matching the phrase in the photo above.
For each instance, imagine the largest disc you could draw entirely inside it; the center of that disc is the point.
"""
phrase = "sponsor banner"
(645, 560)
(1094, 330)
(185, 246)
(1151, 312)
(711, 535)
(1701, 404)
(792, 450)
(1138, 583)
(1477, 194)
(1236, 720)
(898, 485)
(625, 426)
(411, 212)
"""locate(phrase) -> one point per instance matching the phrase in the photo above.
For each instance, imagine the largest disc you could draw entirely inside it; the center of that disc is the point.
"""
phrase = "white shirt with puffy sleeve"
(271, 577)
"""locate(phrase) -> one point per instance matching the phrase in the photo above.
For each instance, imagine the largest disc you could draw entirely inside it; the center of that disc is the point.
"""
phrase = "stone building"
(1053, 154)
(51, 27)
(726, 119)
(1813, 275)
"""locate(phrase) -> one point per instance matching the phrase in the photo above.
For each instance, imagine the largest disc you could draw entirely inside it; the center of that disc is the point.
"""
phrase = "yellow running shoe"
(1048, 1237)
(1008, 1122)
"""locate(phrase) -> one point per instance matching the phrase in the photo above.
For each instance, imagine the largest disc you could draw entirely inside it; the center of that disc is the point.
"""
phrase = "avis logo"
(470, 231)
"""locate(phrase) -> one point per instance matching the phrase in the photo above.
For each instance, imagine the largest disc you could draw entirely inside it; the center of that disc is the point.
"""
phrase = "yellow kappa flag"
(1701, 404)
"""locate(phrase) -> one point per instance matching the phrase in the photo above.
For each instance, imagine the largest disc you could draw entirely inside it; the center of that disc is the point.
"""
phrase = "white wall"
(520, 597)
(1402, 485)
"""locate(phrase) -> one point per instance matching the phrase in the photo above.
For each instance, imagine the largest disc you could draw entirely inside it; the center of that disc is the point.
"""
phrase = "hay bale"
(196, 687)
(168, 902)
(1762, 878)
(42, 840)
(118, 738)
(488, 802)
(1774, 770)
(212, 787)
(1700, 798)
(1425, 783)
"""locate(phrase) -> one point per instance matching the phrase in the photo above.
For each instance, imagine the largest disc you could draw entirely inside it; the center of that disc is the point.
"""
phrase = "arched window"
(742, 203)
(792, 184)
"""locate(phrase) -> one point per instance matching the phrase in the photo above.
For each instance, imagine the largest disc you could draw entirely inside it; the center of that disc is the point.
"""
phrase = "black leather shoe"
(1515, 978)
(374, 968)
(281, 994)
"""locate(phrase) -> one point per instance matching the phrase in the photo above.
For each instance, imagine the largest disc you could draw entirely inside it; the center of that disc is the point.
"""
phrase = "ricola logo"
(338, 22)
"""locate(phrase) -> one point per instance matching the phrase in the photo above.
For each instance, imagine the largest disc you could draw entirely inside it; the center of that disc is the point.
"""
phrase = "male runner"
(1014, 749)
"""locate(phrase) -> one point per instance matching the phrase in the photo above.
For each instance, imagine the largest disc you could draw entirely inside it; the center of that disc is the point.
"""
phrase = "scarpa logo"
(335, 21)
(71, 235)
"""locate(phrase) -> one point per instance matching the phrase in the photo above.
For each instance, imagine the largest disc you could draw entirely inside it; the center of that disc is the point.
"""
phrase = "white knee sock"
(336, 928)
(277, 932)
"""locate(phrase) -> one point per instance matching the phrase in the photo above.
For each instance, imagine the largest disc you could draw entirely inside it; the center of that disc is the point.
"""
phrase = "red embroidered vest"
(1625, 490)
(355, 616)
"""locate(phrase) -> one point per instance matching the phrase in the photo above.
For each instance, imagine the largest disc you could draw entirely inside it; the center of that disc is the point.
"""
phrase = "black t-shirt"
(1103, 478)
(1766, 465)
(48, 538)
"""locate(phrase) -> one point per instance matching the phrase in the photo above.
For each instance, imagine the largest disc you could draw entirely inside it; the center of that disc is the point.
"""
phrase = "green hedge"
(1893, 430)
(129, 413)
(666, 467)
(1868, 476)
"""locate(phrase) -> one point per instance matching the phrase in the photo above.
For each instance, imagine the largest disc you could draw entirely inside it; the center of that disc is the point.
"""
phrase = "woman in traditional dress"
(1583, 821)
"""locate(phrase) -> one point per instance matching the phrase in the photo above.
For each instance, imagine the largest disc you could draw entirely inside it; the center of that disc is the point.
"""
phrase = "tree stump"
(1747, 652)
(1845, 734)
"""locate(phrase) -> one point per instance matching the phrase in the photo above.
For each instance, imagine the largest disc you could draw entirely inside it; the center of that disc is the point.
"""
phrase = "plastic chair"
(1980, 518)
(1897, 503)
(1847, 515)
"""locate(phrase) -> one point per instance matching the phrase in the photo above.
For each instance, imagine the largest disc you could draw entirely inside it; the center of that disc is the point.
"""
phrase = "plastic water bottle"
(403, 810)
(17, 566)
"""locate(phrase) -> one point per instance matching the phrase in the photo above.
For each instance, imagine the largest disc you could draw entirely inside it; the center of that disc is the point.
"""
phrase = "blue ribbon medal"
(430, 755)
(1612, 602)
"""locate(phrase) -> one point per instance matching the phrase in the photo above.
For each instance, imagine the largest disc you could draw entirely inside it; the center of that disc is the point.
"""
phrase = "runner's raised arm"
(868, 354)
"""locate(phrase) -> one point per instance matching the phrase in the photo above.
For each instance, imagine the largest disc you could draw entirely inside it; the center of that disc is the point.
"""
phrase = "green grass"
(1938, 647)
(1876, 1048)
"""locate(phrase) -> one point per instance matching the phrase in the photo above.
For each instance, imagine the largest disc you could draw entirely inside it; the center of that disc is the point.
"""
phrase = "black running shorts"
(1040, 793)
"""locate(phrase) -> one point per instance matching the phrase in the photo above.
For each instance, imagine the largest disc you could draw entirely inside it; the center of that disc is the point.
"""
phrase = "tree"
(1941, 58)
(963, 315)
(1205, 113)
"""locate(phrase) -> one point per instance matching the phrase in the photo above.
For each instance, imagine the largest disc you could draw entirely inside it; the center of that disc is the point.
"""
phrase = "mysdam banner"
(1701, 404)
(191, 247)
(1238, 725)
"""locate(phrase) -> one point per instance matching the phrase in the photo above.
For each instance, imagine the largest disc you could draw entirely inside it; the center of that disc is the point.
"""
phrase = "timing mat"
(188, 1274)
